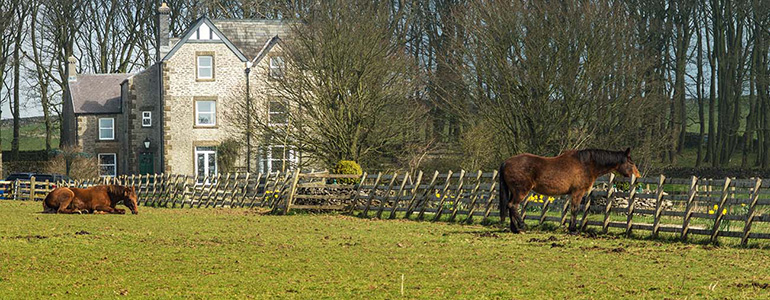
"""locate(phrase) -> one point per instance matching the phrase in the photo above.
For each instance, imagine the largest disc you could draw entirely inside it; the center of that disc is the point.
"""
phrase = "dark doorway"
(146, 163)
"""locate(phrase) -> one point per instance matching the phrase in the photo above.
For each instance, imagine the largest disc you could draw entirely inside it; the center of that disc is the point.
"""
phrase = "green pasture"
(239, 253)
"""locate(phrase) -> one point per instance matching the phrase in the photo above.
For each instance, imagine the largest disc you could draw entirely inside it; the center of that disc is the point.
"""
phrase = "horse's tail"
(504, 194)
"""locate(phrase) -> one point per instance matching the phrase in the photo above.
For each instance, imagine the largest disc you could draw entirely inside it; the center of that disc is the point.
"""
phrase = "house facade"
(173, 116)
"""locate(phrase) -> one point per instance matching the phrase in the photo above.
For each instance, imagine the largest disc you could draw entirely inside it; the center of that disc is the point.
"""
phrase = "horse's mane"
(600, 157)
(116, 190)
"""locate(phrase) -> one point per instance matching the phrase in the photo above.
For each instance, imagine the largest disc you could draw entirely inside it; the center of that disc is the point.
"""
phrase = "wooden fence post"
(292, 191)
(371, 195)
(718, 212)
(443, 196)
(658, 206)
(474, 198)
(278, 197)
(608, 206)
(750, 213)
(631, 200)
(399, 194)
(269, 191)
(586, 207)
(688, 208)
(415, 199)
(458, 196)
(32, 188)
(384, 198)
(357, 194)
(492, 193)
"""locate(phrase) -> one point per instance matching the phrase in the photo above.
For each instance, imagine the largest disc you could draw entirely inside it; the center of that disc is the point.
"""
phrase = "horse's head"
(129, 199)
(628, 168)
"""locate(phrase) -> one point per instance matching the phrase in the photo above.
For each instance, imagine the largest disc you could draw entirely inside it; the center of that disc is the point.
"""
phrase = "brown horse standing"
(572, 172)
(97, 199)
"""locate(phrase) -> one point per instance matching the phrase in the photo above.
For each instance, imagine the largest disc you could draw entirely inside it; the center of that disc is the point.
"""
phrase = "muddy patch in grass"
(755, 285)
(549, 239)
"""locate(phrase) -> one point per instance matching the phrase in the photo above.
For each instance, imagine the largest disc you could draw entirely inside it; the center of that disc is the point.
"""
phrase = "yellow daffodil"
(716, 207)
(724, 211)
(711, 211)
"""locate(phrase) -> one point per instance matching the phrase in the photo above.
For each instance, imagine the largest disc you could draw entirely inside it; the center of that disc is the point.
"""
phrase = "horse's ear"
(133, 189)
(628, 151)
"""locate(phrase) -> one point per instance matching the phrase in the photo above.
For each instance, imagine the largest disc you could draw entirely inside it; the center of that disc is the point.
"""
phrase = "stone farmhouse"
(172, 116)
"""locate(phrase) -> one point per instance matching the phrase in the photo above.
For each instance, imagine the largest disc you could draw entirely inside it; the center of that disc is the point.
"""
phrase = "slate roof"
(97, 93)
(251, 36)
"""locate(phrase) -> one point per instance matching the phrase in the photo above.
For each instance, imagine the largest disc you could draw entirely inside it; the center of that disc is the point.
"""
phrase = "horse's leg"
(519, 199)
(576, 197)
(64, 205)
(109, 210)
(517, 223)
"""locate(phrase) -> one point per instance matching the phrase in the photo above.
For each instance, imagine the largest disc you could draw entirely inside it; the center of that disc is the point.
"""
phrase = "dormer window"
(276, 67)
(205, 67)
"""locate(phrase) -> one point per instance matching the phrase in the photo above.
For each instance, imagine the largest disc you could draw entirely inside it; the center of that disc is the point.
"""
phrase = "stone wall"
(88, 138)
(143, 94)
(182, 89)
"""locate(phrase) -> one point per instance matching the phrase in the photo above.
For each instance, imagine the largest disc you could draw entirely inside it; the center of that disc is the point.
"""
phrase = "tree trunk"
(16, 95)
(699, 89)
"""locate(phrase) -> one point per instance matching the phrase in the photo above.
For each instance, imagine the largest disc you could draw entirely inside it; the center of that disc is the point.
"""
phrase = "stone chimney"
(163, 28)
(72, 72)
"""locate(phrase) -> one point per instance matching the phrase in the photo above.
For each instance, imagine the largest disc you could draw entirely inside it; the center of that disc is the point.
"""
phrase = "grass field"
(238, 253)
(32, 137)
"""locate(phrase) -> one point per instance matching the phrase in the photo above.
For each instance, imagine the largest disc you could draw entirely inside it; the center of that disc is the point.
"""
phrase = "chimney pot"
(164, 8)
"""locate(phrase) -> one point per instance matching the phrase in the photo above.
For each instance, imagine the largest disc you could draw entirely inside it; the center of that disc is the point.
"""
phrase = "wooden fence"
(711, 207)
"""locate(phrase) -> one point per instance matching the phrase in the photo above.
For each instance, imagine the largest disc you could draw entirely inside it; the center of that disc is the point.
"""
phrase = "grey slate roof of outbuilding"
(251, 35)
(97, 93)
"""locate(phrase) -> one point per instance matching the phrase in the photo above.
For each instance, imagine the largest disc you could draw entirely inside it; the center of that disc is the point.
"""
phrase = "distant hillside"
(31, 135)
(25, 121)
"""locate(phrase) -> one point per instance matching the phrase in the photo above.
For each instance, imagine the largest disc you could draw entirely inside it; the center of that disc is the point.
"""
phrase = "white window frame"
(111, 128)
(213, 113)
(271, 113)
(207, 154)
(276, 71)
(210, 66)
(266, 159)
(146, 116)
(114, 165)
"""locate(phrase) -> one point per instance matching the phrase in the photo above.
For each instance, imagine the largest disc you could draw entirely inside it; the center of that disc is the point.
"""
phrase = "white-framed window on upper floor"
(205, 66)
(146, 118)
(278, 113)
(106, 128)
(108, 165)
(205, 113)
(277, 66)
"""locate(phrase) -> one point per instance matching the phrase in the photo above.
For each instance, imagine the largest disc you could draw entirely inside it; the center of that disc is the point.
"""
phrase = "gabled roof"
(97, 93)
(265, 49)
(193, 29)
(252, 35)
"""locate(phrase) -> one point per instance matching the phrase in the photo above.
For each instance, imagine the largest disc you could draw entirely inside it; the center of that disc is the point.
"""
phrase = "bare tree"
(347, 88)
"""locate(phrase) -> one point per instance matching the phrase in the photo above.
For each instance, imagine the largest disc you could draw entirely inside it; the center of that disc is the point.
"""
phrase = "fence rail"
(738, 208)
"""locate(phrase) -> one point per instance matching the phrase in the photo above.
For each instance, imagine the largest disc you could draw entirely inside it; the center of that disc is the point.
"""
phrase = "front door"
(146, 163)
